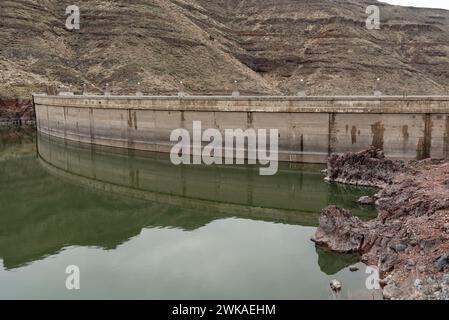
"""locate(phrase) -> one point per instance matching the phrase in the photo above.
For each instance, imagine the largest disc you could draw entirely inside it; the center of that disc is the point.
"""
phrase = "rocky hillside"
(268, 45)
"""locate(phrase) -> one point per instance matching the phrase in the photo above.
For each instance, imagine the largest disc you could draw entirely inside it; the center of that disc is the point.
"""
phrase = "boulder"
(340, 231)
(335, 285)
(353, 268)
(365, 168)
(442, 263)
(366, 200)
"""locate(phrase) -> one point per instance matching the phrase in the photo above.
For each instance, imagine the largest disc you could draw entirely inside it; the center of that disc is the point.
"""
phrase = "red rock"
(410, 231)
(16, 109)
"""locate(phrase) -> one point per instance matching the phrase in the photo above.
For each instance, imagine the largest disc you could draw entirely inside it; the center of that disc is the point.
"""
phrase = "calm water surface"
(139, 227)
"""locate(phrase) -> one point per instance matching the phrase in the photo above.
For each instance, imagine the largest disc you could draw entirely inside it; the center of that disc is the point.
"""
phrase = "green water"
(139, 227)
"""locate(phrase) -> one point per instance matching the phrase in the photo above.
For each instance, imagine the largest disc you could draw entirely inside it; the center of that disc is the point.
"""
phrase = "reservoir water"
(139, 227)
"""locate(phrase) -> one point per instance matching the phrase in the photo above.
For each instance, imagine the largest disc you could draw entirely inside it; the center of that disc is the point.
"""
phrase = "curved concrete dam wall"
(310, 128)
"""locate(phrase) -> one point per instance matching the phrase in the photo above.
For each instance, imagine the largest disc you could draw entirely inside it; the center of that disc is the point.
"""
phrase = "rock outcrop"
(365, 168)
(16, 110)
(409, 241)
(340, 231)
(366, 200)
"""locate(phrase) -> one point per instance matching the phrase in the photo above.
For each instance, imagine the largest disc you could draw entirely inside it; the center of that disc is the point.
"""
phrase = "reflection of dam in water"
(147, 222)
(293, 196)
(103, 198)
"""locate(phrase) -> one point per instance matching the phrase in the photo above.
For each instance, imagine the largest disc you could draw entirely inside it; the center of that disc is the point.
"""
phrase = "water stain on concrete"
(249, 119)
(420, 149)
(130, 119)
(378, 131)
(354, 135)
(405, 134)
(183, 118)
(425, 143)
(91, 125)
(427, 135)
(446, 140)
(405, 137)
(332, 135)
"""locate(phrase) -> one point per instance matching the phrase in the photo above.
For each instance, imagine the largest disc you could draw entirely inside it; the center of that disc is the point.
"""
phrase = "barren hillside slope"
(268, 45)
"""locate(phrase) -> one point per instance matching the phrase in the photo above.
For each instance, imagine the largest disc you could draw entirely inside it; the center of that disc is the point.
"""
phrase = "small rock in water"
(353, 268)
(366, 200)
(335, 285)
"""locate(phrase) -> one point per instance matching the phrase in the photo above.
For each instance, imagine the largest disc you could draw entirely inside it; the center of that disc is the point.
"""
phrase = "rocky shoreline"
(409, 240)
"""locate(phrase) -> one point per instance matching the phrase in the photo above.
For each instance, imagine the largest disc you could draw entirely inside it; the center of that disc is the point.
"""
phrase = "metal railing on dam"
(310, 128)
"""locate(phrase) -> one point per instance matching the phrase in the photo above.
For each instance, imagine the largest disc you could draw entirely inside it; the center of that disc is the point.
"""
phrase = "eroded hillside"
(268, 45)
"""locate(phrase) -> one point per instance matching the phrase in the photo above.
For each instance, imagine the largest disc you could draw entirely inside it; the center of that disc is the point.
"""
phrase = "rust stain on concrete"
(405, 137)
(446, 140)
(130, 119)
(378, 131)
(420, 149)
(405, 134)
(332, 135)
(427, 135)
(91, 125)
(354, 135)
(425, 143)
(249, 119)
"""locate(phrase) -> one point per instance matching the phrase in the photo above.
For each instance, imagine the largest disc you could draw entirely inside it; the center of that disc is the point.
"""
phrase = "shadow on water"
(77, 195)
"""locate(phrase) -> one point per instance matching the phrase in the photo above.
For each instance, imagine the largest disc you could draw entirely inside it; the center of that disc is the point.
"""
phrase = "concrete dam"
(310, 128)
